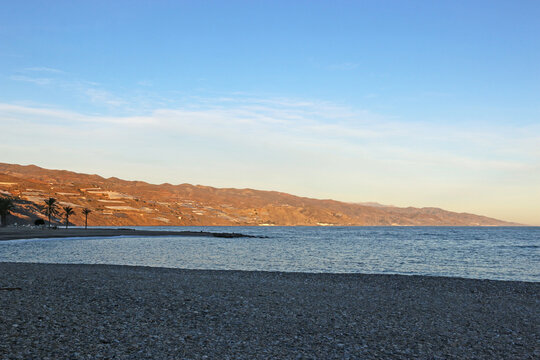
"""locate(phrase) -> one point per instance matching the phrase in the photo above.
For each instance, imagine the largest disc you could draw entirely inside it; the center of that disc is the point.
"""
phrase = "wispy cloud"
(146, 83)
(103, 97)
(60, 80)
(43, 69)
(41, 81)
(313, 126)
(38, 75)
(344, 66)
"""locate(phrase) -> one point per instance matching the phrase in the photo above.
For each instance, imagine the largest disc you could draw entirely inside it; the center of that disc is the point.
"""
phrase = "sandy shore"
(98, 312)
(13, 233)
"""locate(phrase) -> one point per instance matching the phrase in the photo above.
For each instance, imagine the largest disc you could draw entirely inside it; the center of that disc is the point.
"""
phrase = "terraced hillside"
(117, 202)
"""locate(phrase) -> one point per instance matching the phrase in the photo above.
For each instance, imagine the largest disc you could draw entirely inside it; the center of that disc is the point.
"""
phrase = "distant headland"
(116, 202)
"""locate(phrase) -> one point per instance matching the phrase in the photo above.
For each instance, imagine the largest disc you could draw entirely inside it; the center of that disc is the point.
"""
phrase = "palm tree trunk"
(4, 220)
(49, 218)
(67, 221)
(85, 221)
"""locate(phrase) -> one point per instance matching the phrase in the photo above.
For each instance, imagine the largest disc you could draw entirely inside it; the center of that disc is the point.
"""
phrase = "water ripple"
(486, 253)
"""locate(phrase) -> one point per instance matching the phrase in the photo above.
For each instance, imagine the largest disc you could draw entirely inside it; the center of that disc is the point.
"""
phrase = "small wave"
(519, 246)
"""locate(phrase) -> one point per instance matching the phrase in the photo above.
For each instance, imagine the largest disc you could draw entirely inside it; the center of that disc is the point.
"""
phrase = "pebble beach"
(55, 311)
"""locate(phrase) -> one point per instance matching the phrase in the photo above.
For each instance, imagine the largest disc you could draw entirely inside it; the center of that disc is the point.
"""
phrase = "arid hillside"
(118, 202)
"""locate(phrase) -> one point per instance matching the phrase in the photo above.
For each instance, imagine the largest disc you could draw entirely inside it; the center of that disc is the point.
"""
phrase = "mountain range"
(116, 202)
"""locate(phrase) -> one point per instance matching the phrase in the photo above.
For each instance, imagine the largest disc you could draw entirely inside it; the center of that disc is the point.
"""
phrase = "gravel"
(55, 311)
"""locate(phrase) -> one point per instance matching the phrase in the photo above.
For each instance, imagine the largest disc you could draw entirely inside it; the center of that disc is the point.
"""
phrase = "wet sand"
(14, 233)
(121, 312)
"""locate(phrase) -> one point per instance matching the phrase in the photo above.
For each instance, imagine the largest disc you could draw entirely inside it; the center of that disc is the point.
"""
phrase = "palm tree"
(85, 212)
(68, 210)
(6, 204)
(50, 209)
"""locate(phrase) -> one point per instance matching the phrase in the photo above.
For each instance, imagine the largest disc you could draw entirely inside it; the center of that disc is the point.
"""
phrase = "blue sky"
(421, 103)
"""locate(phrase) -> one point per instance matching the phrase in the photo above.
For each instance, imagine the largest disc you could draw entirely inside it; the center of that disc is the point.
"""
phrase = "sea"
(496, 253)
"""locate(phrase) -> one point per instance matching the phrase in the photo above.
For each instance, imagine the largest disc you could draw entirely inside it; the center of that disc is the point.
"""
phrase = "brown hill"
(119, 202)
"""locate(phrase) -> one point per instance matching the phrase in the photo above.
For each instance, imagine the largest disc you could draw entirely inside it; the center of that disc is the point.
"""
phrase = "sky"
(406, 103)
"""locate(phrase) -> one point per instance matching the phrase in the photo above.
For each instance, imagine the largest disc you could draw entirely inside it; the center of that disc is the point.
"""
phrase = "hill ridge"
(117, 202)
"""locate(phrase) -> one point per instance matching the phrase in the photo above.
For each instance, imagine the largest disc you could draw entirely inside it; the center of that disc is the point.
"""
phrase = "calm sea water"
(507, 253)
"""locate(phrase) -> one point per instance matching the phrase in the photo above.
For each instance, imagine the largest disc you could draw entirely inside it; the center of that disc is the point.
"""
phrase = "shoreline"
(280, 273)
(95, 311)
(23, 233)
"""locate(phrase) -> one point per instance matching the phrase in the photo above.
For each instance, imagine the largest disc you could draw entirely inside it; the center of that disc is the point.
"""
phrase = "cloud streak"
(56, 79)
(43, 69)
(315, 124)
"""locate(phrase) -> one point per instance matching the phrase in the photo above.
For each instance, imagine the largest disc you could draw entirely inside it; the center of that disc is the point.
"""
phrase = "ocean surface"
(499, 253)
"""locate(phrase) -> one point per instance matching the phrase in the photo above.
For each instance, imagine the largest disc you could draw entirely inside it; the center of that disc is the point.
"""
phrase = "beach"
(19, 233)
(55, 311)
